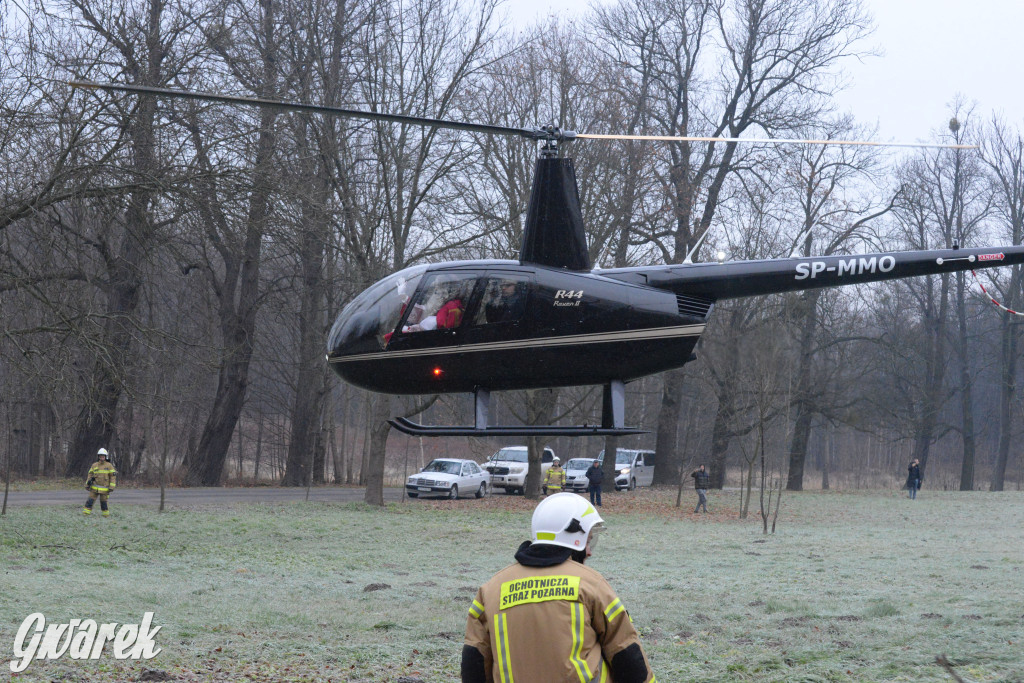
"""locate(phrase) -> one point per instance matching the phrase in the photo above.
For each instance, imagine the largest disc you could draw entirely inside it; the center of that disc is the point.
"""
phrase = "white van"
(508, 468)
(633, 468)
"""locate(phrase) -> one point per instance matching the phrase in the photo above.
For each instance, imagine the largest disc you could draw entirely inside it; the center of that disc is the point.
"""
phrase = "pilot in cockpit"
(506, 304)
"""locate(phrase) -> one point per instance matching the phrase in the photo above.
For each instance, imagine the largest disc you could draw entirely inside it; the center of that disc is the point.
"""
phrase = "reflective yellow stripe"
(613, 610)
(476, 610)
(604, 671)
(578, 663)
(501, 638)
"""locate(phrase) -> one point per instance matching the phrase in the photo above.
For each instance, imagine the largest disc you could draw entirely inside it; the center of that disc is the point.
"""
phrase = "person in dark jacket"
(913, 478)
(595, 475)
(700, 482)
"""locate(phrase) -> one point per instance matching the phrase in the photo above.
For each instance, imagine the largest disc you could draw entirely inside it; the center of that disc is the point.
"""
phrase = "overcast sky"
(932, 50)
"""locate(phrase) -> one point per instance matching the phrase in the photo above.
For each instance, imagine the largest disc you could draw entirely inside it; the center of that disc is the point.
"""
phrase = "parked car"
(508, 467)
(449, 477)
(576, 474)
(633, 468)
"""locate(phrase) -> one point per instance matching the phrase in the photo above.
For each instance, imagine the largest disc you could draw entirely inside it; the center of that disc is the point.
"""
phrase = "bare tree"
(721, 68)
(144, 39)
(1003, 154)
(970, 199)
(420, 59)
(825, 181)
(250, 53)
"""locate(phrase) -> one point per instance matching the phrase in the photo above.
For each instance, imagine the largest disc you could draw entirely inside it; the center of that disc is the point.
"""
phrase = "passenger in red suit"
(450, 314)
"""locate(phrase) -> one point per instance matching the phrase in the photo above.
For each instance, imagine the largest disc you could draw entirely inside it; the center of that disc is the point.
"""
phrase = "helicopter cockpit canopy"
(366, 323)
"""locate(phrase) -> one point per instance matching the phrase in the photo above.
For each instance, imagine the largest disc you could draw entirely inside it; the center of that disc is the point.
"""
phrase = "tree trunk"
(95, 424)
(308, 405)
(935, 371)
(611, 447)
(803, 399)
(540, 410)
(1007, 390)
(666, 449)
(379, 430)
(720, 437)
(241, 275)
(966, 388)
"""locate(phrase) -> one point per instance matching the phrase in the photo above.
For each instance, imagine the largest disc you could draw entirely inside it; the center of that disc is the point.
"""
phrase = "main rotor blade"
(776, 141)
(313, 108)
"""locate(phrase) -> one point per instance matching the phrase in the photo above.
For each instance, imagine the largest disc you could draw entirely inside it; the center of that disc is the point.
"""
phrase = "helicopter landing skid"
(612, 414)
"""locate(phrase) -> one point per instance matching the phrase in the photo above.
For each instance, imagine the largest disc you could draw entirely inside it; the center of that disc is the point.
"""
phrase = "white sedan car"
(449, 477)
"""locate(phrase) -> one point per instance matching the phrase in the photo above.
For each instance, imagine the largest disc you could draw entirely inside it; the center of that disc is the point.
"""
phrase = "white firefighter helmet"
(564, 519)
(555, 460)
(102, 451)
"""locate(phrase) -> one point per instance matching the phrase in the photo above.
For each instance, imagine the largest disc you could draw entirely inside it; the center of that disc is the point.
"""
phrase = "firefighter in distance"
(102, 479)
(554, 478)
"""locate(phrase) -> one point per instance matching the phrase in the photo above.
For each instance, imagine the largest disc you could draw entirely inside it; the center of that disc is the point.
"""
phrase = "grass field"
(852, 587)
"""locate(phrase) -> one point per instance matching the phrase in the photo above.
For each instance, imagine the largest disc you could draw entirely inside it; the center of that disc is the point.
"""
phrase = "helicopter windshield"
(366, 324)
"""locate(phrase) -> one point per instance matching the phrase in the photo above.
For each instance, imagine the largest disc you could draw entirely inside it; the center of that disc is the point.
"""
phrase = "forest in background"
(169, 270)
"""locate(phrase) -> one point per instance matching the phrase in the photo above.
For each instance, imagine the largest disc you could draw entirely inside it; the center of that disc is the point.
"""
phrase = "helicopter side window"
(504, 300)
(441, 305)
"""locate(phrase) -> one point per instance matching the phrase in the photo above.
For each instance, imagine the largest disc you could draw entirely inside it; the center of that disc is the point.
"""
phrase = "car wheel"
(413, 495)
(454, 493)
(482, 491)
(632, 484)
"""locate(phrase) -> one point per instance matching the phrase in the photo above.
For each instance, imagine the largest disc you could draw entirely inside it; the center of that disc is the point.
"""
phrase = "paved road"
(198, 496)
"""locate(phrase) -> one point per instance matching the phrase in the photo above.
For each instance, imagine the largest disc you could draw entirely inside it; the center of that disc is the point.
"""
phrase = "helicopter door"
(499, 313)
(437, 312)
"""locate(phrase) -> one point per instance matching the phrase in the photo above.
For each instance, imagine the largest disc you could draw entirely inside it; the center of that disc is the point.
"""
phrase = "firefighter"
(101, 481)
(550, 618)
(554, 478)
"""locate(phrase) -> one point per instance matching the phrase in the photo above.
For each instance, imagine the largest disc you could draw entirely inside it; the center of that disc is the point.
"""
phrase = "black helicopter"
(549, 319)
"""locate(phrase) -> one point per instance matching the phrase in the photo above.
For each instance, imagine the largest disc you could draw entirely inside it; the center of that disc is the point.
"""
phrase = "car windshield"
(445, 466)
(578, 464)
(621, 457)
(511, 454)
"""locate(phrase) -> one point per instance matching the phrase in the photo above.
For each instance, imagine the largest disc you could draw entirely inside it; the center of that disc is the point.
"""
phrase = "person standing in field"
(548, 618)
(595, 476)
(101, 480)
(700, 482)
(913, 478)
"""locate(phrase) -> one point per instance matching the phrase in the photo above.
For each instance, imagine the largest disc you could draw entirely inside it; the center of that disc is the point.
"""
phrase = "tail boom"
(738, 279)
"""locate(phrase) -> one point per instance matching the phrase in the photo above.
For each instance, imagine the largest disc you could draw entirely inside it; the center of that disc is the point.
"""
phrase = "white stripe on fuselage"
(571, 340)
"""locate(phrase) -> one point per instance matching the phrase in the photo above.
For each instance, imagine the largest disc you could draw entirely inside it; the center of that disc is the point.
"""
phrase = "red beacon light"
(437, 372)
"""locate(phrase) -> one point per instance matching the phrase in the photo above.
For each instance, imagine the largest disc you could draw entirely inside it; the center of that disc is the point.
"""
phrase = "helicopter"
(549, 319)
